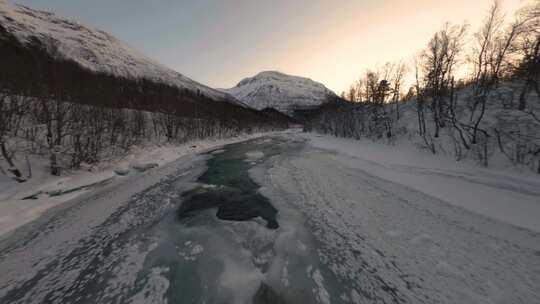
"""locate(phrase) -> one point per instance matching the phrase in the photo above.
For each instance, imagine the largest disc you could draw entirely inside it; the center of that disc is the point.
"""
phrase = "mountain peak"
(285, 93)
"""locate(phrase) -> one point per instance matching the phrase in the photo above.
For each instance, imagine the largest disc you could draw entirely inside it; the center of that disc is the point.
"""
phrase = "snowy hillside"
(282, 92)
(93, 49)
(510, 137)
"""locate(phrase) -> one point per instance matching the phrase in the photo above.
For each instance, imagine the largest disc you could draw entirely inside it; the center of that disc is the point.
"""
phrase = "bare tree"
(359, 86)
(351, 95)
(492, 44)
(527, 47)
(439, 61)
(420, 104)
(397, 80)
(12, 111)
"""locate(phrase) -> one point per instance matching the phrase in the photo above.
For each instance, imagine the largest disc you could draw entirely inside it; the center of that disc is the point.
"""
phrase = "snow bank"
(507, 196)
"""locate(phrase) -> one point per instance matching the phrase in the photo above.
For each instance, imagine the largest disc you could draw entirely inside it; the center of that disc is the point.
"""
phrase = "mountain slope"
(282, 92)
(93, 49)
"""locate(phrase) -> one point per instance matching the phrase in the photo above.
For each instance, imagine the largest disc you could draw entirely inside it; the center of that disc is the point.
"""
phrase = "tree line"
(473, 92)
(52, 106)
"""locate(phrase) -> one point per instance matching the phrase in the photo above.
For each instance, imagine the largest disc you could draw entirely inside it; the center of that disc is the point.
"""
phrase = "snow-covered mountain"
(93, 49)
(282, 92)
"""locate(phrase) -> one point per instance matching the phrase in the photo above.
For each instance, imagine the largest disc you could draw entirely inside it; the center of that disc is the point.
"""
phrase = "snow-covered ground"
(16, 211)
(398, 226)
(506, 195)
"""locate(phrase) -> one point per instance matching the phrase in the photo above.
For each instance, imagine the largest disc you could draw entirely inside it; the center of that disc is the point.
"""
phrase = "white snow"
(191, 251)
(254, 155)
(93, 49)
(125, 273)
(320, 291)
(282, 92)
(512, 197)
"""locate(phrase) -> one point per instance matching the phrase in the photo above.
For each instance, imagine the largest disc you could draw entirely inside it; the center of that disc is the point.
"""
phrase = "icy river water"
(203, 235)
(270, 220)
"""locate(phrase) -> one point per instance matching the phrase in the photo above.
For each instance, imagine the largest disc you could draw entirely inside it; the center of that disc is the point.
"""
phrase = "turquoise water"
(229, 188)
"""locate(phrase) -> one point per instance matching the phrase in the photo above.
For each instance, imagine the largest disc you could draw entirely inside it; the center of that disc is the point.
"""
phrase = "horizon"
(194, 38)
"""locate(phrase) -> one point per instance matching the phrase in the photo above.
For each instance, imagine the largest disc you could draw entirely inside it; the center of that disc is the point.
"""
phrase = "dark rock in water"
(196, 200)
(272, 224)
(237, 211)
(215, 152)
(33, 196)
(266, 295)
(245, 207)
(122, 171)
(232, 205)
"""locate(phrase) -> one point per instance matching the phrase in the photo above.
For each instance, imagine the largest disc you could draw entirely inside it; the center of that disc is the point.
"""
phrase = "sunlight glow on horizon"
(390, 32)
(218, 43)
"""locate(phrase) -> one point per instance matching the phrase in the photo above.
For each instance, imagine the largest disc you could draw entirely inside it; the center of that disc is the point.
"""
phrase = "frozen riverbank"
(16, 211)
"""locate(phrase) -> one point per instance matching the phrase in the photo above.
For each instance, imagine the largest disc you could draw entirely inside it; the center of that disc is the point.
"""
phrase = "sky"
(220, 42)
